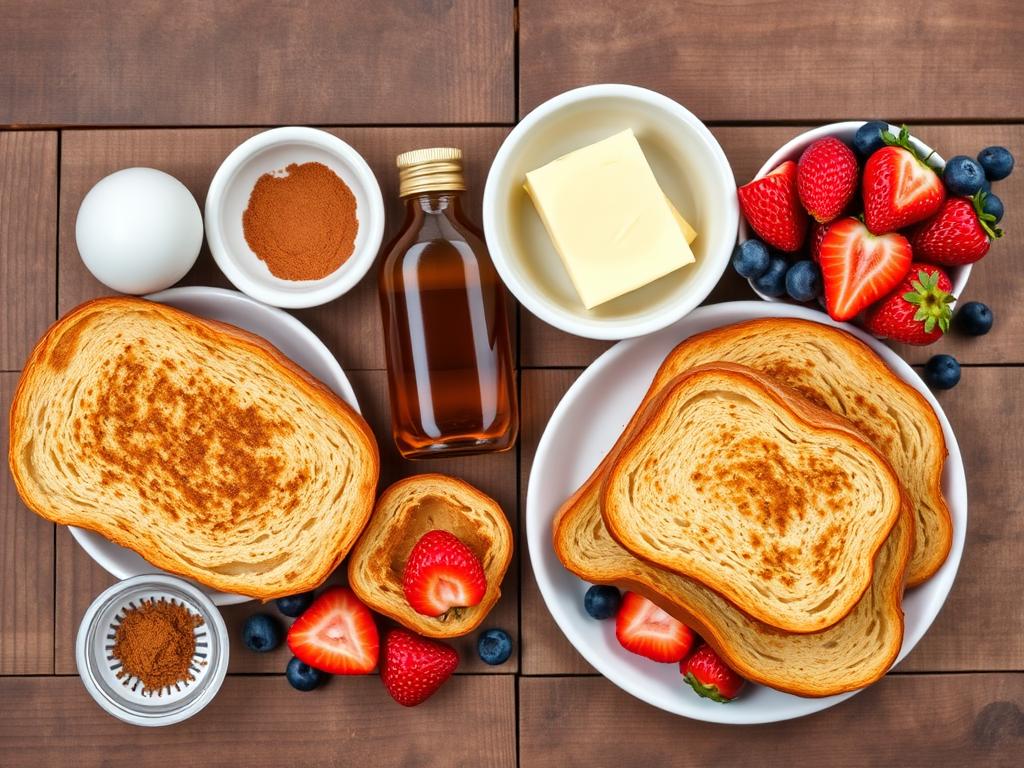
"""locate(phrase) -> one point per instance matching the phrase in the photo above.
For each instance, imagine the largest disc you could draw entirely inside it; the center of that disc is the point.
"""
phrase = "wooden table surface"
(90, 87)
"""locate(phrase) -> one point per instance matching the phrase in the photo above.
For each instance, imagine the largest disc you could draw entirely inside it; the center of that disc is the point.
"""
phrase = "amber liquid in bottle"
(450, 370)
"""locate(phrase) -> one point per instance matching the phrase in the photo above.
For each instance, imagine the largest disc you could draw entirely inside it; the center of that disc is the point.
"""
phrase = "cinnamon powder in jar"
(155, 643)
(301, 224)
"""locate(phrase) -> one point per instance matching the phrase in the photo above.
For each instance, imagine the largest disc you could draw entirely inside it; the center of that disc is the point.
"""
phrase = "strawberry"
(826, 178)
(442, 576)
(645, 629)
(899, 187)
(960, 233)
(414, 667)
(772, 207)
(711, 677)
(336, 634)
(917, 312)
(858, 268)
(818, 231)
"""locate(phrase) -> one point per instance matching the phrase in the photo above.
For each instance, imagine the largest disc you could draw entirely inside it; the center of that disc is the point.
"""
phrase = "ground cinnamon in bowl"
(155, 643)
(301, 223)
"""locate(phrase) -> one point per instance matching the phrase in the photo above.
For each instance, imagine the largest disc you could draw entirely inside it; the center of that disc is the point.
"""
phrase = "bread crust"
(221, 333)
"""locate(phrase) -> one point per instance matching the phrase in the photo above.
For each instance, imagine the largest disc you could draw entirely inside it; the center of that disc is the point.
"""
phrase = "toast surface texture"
(747, 488)
(194, 443)
(837, 371)
(407, 510)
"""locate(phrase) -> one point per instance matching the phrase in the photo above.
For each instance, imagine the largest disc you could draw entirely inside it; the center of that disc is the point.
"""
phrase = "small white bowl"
(690, 167)
(845, 132)
(228, 197)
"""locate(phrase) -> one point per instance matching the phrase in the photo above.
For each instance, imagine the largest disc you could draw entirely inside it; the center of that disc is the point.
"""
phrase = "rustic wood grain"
(256, 63)
(934, 720)
(26, 571)
(28, 213)
(771, 60)
(996, 280)
(261, 721)
(349, 326)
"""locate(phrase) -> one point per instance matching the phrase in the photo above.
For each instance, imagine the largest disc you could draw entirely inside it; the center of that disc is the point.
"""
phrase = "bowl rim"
(618, 328)
(348, 274)
(800, 142)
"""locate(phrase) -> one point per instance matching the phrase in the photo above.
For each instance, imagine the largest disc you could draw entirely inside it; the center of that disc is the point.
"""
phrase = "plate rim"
(538, 522)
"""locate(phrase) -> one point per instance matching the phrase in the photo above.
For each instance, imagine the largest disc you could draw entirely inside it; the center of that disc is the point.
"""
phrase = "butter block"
(610, 223)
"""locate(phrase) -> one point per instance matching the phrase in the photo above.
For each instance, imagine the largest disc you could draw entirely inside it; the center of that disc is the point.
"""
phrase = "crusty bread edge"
(258, 346)
(472, 619)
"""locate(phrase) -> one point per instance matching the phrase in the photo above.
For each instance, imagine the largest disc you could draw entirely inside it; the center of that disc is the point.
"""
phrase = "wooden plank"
(79, 579)
(261, 721)
(905, 720)
(995, 280)
(26, 570)
(28, 261)
(349, 326)
(253, 63)
(770, 60)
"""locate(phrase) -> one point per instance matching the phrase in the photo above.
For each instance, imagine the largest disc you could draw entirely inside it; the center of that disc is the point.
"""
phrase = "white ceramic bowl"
(229, 195)
(845, 132)
(688, 163)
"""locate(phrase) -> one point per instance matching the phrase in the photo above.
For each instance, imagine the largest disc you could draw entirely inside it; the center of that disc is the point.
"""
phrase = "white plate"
(291, 337)
(584, 427)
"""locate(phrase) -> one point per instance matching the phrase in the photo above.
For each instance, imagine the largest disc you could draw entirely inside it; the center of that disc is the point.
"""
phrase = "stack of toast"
(777, 490)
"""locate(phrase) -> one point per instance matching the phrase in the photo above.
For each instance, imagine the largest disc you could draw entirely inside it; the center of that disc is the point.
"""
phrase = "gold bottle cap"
(437, 169)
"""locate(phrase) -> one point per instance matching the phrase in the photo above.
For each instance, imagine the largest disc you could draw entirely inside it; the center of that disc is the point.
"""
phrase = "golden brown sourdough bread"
(747, 488)
(839, 372)
(404, 512)
(195, 443)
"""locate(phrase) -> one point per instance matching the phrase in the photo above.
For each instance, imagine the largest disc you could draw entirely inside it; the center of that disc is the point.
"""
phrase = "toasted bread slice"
(404, 512)
(196, 444)
(747, 488)
(837, 371)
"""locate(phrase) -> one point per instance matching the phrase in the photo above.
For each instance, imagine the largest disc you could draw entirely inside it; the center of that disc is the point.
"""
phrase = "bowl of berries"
(871, 223)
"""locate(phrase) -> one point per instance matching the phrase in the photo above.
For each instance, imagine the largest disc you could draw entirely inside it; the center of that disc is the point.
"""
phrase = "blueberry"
(974, 318)
(997, 162)
(302, 676)
(868, 139)
(773, 282)
(494, 646)
(992, 204)
(942, 372)
(602, 602)
(750, 259)
(803, 281)
(294, 605)
(963, 176)
(261, 633)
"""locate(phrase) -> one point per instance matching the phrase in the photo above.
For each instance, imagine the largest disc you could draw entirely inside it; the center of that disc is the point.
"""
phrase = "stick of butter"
(611, 224)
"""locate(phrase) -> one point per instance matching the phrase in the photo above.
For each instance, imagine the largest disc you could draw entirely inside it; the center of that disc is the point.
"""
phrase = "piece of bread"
(404, 512)
(839, 372)
(747, 488)
(195, 443)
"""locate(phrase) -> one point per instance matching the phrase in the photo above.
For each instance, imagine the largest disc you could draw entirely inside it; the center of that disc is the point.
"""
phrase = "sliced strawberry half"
(443, 576)
(858, 268)
(336, 634)
(773, 208)
(645, 629)
(899, 187)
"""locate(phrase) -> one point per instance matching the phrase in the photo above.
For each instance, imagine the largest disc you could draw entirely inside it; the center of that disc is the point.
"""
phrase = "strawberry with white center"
(899, 187)
(414, 667)
(443, 576)
(960, 233)
(858, 268)
(772, 207)
(917, 312)
(336, 634)
(645, 629)
(826, 178)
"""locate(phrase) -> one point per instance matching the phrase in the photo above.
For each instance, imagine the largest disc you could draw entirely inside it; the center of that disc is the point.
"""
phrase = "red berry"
(442, 574)
(711, 677)
(827, 178)
(336, 634)
(413, 668)
(772, 207)
(899, 188)
(960, 233)
(645, 629)
(917, 311)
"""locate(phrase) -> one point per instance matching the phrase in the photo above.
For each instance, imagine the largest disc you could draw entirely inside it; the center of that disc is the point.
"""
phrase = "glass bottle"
(450, 372)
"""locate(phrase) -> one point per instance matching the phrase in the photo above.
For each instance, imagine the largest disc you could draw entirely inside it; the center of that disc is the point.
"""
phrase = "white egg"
(139, 230)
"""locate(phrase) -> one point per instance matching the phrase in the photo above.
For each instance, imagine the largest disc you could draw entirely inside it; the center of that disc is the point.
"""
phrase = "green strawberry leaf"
(986, 220)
